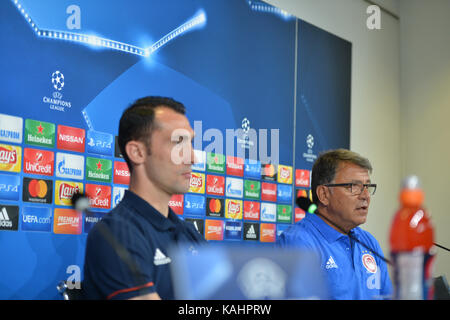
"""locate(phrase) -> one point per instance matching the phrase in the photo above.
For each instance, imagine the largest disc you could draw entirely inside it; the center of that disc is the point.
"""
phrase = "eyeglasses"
(355, 188)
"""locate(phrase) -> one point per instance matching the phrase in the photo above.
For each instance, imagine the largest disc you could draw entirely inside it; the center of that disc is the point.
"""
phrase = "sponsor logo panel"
(91, 218)
(37, 190)
(99, 143)
(268, 232)
(200, 160)
(9, 217)
(197, 183)
(233, 209)
(10, 158)
(194, 204)
(99, 170)
(281, 228)
(37, 161)
(199, 224)
(302, 178)
(215, 185)
(9, 187)
(299, 214)
(121, 173)
(234, 187)
(11, 128)
(214, 207)
(251, 231)
(268, 191)
(284, 213)
(215, 162)
(252, 189)
(99, 195)
(284, 193)
(67, 221)
(118, 193)
(176, 203)
(269, 172)
(251, 210)
(37, 219)
(70, 138)
(268, 212)
(64, 191)
(285, 174)
(233, 230)
(39, 133)
(304, 194)
(252, 169)
(235, 166)
(69, 166)
(214, 230)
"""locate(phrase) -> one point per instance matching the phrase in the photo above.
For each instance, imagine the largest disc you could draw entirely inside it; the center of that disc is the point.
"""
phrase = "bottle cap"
(411, 182)
(411, 194)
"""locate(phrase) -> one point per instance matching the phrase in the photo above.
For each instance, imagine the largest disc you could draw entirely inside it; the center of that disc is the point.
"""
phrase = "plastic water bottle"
(411, 241)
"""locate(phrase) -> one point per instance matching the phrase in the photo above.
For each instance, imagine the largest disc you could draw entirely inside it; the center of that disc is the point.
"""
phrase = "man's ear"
(323, 194)
(136, 151)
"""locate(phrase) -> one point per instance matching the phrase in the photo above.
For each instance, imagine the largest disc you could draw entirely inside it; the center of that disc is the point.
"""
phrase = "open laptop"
(230, 272)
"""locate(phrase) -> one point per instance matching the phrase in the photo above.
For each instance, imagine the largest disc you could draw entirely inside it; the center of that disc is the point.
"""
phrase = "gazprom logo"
(268, 212)
(118, 193)
(234, 187)
(69, 166)
(11, 128)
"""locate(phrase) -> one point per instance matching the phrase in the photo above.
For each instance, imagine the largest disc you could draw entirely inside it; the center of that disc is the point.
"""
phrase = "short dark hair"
(324, 168)
(137, 121)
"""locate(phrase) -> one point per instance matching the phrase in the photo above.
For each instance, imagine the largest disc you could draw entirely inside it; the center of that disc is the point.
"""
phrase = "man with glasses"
(351, 258)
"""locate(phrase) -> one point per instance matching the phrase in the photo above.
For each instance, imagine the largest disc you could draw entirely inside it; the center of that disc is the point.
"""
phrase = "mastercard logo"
(215, 205)
(269, 170)
(37, 188)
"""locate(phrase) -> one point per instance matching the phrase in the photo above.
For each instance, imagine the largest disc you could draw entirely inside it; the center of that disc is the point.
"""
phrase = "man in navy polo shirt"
(127, 251)
(351, 258)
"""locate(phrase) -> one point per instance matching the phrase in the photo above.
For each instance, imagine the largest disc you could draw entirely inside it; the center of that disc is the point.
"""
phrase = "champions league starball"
(58, 80)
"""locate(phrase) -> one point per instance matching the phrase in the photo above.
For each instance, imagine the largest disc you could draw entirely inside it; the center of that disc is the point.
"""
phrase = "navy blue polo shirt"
(353, 272)
(127, 251)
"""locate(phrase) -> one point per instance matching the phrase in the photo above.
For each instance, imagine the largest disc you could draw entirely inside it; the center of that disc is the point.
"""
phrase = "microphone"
(307, 205)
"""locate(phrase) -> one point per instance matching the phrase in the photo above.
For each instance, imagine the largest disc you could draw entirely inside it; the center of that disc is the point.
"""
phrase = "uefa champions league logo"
(310, 141)
(58, 80)
(55, 102)
(245, 125)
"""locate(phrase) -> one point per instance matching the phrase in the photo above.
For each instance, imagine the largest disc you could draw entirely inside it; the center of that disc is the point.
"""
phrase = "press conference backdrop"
(247, 72)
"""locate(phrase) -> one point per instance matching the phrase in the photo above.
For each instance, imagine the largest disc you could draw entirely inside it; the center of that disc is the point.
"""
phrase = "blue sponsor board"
(281, 228)
(252, 169)
(194, 204)
(91, 218)
(99, 143)
(9, 187)
(233, 230)
(37, 219)
(284, 193)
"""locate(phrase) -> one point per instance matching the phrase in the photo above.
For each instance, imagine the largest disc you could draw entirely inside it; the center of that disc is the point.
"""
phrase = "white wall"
(400, 113)
(425, 109)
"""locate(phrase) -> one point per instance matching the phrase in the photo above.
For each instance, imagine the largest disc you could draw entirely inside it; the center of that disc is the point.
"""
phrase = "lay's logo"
(233, 209)
(285, 174)
(197, 184)
(10, 158)
(64, 190)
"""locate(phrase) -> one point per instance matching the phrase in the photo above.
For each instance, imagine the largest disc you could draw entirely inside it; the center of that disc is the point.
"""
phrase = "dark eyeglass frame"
(362, 186)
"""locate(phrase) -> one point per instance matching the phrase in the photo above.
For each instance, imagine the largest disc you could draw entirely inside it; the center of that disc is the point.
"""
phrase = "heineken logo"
(39, 133)
(98, 169)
